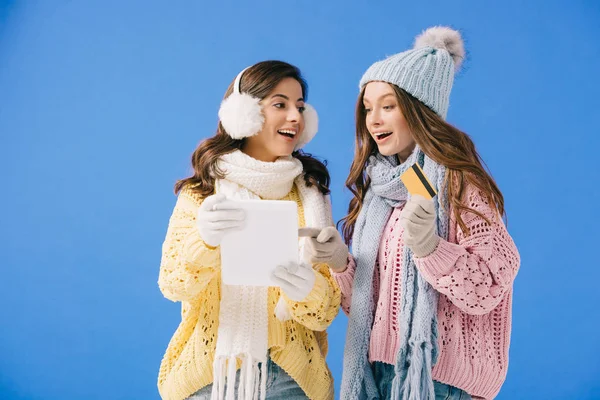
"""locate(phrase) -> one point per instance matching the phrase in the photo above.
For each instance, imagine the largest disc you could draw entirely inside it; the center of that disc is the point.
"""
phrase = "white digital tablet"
(268, 239)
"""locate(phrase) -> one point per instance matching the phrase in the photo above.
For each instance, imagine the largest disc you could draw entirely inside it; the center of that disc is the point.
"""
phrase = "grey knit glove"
(418, 220)
(325, 246)
(216, 218)
(296, 280)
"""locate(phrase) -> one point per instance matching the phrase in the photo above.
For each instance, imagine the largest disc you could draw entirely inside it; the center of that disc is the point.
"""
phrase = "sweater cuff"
(196, 251)
(440, 262)
(319, 291)
(345, 279)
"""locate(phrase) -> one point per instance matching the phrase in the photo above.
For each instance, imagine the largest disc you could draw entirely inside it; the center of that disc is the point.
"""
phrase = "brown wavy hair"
(259, 80)
(441, 141)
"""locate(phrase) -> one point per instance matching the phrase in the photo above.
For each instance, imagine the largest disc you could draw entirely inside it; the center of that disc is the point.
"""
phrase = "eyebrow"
(381, 97)
(285, 97)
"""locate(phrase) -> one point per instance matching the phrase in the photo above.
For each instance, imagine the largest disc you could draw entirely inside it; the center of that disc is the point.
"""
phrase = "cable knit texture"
(426, 71)
(243, 330)
(418, 329)
(474, 275)
(190, 273)
(268, 180)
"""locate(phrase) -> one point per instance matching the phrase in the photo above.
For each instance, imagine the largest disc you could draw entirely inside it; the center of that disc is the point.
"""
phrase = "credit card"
(417, 183)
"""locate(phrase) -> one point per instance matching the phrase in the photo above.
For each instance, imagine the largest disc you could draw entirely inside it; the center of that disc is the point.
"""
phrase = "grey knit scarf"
(418, 324)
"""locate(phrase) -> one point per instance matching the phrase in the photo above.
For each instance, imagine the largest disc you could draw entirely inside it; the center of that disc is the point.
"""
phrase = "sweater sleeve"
(187, 263)
(480, 268)
(345, 280)
(321, 305)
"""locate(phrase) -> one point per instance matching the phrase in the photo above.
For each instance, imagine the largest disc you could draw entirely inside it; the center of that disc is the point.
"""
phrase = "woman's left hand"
(418, 220)
(296, 280)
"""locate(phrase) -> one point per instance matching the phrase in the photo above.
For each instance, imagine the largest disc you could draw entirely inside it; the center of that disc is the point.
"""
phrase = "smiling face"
(284, 122)
(385, 122)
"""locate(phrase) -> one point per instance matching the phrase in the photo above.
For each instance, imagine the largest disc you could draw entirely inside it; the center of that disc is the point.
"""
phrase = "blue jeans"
(280, 386)
(384, 375)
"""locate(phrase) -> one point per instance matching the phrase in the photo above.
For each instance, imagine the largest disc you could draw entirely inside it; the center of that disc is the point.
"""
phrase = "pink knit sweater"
(474, 276)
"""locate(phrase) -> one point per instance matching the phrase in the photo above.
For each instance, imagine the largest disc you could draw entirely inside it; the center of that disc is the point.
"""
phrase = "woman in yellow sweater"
(237, 341)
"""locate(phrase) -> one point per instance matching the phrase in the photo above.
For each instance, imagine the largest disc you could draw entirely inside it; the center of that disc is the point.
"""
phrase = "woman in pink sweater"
(428, 287)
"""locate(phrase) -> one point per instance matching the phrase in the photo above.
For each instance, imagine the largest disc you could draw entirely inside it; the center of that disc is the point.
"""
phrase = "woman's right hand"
(325, 246)
(216, 218)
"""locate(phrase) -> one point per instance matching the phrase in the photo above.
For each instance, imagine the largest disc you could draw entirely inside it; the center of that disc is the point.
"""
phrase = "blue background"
(103, 102)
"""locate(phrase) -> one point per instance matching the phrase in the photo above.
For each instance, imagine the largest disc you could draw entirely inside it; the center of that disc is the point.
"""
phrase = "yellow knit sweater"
(190, 273)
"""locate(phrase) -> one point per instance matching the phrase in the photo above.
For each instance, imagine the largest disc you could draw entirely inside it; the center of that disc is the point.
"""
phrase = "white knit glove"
(418, 220)
(296, 280)
(325, 246)
(216, 219)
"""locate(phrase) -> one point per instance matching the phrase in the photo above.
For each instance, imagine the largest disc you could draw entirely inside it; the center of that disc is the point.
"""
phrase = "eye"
(301, 109)
(389, 107)
(279, 105)
(367, 110)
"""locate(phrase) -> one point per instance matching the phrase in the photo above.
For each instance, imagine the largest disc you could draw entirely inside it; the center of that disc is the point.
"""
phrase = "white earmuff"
(241, 116)
(241, 113)
(311, 126)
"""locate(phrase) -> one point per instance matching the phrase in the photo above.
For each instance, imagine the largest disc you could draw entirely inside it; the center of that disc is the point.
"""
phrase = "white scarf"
(243, 317)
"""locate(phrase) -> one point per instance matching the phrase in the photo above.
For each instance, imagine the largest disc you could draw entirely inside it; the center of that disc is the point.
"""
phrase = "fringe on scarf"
(252, 383)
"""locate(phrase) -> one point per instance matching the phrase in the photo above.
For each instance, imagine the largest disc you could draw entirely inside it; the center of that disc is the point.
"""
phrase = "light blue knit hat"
(426, 71)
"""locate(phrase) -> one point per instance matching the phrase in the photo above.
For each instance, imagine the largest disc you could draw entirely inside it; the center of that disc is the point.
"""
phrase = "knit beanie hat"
(426, 71)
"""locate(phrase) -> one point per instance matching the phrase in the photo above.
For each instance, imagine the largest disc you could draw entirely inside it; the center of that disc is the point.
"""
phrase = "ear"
(241, 115)
(311, 126)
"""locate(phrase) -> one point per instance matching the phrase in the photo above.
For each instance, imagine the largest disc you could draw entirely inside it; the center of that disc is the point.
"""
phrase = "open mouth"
(382, 135)
(287, 133)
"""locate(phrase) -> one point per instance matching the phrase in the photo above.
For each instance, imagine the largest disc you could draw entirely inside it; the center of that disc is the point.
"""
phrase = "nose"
(293, 114)
(374, 118)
